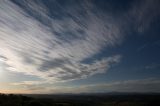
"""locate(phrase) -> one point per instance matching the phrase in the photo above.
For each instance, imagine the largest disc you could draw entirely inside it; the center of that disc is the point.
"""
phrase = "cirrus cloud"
(55, 51)
(52, 42)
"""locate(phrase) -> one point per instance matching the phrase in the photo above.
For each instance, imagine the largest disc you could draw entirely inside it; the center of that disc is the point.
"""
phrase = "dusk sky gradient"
(79, 46)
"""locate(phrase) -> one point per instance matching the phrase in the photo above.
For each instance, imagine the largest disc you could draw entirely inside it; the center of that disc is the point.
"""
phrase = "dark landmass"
(96, 99)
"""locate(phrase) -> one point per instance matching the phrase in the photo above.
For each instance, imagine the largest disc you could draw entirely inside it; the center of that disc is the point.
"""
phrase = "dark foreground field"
(81, 100)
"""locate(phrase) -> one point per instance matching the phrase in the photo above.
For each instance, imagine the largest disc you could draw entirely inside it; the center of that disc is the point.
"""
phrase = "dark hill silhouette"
(115, 99)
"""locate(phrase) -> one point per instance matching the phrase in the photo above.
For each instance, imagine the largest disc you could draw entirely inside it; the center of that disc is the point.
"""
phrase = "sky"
(79, 46)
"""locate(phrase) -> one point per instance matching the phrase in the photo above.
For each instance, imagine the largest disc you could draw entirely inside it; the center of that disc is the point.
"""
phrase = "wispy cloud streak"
(55, 51)
(52, 42)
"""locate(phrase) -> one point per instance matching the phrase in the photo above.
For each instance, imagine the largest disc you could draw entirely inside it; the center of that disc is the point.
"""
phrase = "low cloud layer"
(139, 85)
